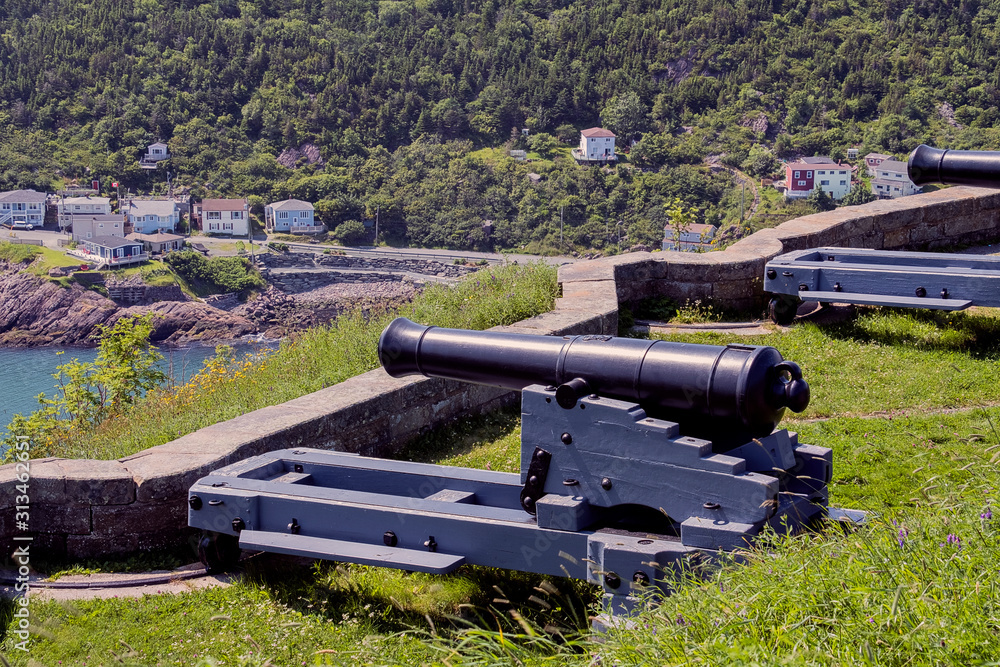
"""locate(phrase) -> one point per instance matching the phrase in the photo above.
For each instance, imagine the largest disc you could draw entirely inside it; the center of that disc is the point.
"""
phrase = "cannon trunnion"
(618, 478)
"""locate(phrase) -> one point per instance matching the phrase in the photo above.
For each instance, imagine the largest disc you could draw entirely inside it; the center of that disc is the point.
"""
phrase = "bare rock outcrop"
(36, 311)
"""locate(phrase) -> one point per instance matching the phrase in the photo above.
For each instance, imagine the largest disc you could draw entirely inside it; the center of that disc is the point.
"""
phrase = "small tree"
(820, 200)
(859, 194)
(350, 232)
(87, 393)
(543, 143)
(681, 218)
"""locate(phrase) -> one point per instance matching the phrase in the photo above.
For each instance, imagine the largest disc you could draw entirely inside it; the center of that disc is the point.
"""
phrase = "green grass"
(17, 253)
(914, 444)
(310, 361)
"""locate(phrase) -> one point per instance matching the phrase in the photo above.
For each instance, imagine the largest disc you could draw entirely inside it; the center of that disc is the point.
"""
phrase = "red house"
(799, 179)
(805, 174)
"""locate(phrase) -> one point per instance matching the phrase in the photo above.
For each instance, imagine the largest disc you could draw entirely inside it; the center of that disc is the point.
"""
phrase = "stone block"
(727, 290)
(140, 517)
(45, 518)
(162, 475)
(71, 482)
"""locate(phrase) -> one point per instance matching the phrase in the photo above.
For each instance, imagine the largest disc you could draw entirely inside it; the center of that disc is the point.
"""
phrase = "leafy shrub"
(216, 275)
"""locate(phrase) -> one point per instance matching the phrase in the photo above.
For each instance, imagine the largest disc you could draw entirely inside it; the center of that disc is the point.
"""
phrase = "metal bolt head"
(294, 527)
(711, 506)
(772, 274)
(566, 438)
(921, 291)
(194, 502)
(606, 484)
(640, 578)
(389, 538)
(297, 467)
(612, 580)
(238, 524)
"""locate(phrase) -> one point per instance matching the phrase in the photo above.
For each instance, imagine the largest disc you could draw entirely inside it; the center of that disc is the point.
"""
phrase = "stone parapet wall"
(84, 508)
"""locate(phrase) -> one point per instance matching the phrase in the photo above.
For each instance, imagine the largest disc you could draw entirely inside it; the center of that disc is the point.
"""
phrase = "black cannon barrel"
(742, 389)
(938, 165)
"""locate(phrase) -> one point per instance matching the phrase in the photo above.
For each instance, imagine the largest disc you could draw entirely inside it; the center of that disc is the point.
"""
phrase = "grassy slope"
(916, 587)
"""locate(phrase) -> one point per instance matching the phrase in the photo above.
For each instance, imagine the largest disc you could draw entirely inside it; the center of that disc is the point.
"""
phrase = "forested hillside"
(398, 94)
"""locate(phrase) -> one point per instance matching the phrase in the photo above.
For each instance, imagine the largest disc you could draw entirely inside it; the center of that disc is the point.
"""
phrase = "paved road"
(49, 238)
(225, 246)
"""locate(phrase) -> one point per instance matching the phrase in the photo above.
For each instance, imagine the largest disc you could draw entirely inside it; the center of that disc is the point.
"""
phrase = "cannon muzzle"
(937, 165)
(740, 391)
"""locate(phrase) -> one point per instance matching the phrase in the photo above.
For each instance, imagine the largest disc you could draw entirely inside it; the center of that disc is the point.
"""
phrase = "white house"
(292, 216)
(152, 216)
(25, 206)
(87, 227)
(155, 154)
(695, 237)
(596, 145)
(225, 216)
(69, 207)
(892, 181)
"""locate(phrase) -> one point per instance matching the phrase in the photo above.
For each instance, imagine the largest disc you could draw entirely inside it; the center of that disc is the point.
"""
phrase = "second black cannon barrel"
(938, 165)
(741, 387)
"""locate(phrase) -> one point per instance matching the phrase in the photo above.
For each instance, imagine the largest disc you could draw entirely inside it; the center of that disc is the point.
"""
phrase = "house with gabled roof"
(806, 174)
(892, 180)
(873, 160)
(155, 154)
(86, 227)
(69, 207)
(27, 206)
(110, 251)
(596, 145)
(150, 216)
(291, 216)
(225, 216)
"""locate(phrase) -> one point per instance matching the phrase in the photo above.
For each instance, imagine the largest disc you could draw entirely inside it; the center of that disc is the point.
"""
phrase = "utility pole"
(560, 227)
(378, 209)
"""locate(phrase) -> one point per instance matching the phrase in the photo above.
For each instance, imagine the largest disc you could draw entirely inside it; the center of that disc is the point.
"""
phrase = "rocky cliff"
(37, 311)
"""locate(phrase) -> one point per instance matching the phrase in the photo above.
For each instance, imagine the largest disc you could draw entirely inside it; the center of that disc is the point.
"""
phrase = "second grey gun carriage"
(634, 454)
(938, 281)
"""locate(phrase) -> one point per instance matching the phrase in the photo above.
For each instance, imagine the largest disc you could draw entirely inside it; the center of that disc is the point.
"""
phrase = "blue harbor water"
(25, 373)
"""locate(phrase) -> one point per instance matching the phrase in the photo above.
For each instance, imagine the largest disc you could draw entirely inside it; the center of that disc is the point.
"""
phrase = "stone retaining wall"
(85, 508)
(294, 282)
(316, 260)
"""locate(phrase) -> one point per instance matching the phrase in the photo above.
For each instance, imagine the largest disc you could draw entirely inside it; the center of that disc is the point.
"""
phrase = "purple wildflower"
(954, 540)
(987, 515)
(901, 537)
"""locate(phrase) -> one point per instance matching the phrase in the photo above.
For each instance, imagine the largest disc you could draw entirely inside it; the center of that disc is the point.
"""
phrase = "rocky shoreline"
(38, 312)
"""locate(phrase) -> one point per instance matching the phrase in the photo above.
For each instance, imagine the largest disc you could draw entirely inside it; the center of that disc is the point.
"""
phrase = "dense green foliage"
(231, 85)
(214, 275)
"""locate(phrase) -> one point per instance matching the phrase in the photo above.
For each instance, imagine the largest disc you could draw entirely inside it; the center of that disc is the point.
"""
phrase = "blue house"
(292, 216)
(112, 251)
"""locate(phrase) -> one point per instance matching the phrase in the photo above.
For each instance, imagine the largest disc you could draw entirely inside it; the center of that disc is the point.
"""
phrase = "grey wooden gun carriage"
(634, 455)
(939, 281)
